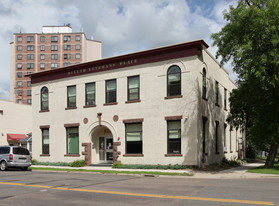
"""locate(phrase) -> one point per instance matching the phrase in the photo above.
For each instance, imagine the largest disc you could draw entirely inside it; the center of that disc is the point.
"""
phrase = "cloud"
(123, 26)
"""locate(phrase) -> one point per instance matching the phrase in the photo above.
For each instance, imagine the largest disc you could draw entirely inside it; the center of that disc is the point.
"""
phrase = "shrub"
(116, 165)
(77, 163)
(34, 162)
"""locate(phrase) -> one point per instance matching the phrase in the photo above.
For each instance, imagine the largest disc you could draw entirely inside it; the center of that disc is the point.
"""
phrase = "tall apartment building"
(56, 46)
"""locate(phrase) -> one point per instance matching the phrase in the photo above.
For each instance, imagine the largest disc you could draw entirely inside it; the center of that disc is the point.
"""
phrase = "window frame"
(217, 137)
(139, 143)
(54, 38)
(108, 92)
(45, 147)
(69, 104)
(169, 86)
(217, 93)
(44, 91)
(67, 140)
(178, 139)
(54, 56)
(87, 102)
(137, 88)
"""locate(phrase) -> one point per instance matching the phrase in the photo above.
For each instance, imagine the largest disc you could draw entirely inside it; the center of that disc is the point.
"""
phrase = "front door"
(106, 149)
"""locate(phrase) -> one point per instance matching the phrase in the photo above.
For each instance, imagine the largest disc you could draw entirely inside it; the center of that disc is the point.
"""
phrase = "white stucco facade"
(14, 119)
(152, 110)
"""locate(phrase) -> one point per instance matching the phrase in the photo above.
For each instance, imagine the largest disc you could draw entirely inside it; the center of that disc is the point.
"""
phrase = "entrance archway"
(102, 145)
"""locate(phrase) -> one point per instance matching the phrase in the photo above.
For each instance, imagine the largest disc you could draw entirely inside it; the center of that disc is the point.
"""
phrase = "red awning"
(15, 137)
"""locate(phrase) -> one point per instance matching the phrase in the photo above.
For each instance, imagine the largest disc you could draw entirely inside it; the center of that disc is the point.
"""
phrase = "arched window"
(44, 98)
(204, 83)
(174, 81)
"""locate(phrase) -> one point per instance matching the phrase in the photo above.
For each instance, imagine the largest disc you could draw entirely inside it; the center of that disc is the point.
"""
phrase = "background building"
(162, 106)
(56, 46)
(15, 122)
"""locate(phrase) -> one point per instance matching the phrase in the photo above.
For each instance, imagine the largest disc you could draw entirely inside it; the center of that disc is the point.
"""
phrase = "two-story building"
(161, 106)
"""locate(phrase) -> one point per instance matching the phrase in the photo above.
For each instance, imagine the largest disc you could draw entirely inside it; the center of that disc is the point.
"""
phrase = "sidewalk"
(233, 173)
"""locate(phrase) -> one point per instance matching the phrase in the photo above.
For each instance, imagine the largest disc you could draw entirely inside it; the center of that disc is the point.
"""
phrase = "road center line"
(143, 195)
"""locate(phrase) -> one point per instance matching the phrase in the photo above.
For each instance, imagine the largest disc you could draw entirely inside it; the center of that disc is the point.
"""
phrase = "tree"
(250, 40)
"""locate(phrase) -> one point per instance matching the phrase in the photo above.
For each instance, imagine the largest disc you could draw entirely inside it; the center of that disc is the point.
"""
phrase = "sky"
(123, 26)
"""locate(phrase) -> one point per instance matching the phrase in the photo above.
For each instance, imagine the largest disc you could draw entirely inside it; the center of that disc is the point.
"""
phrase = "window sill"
(72, 155)
(173, 155)
(112, 103)
(174, 97)
(69, 108)
(205, 154)
(231, 151)
(44, 155)
(133, 155)
(217, 153)
(217, 105)
(42, 111)
(225, 152)
(89, 106)
(132, 101)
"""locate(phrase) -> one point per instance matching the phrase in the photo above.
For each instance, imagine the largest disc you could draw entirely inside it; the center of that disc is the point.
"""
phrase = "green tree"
(250, 39)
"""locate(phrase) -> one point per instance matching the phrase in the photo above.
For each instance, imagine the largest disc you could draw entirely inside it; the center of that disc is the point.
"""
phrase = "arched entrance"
(102, 145)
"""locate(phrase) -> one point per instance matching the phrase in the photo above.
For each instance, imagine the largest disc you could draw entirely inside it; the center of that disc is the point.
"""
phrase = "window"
(54, 39)
(19, 38)
(216, 137)
(19, 66)
(30, 72)
(174, 136)
(133, 88)
(225, 98)
(67, 64)
(71, 96)
(204, 83)
(54, 65)
(78, 56)
(204, 123)
(45, 141)
(19, 84)
(30, 47)
(231, 139)
(44, 99)
(19, 57)
(54, 47)
(225, 137)
(19, 92)
(42, 56)
(133, 138)
(19, 48)
(42, 47)
(19, 101)
(72, 140)
(54, 56)
(77, 37)
(174, 81)
(77, 46)
(111, 91)
(42, 65)
(29, 93)
(42, 38)
(30, 56)
(29, 101)
(29, 83)
(67, 47)
(67, 56)
(217, 93)
(90, 94)
(30, 65)
(67, 38)
(30, 38)
(19, 74)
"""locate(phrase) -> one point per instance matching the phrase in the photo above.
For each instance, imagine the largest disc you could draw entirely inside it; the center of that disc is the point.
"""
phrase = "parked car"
(14, 156)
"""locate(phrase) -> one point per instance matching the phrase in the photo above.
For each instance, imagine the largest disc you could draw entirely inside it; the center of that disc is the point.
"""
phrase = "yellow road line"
(144, 195)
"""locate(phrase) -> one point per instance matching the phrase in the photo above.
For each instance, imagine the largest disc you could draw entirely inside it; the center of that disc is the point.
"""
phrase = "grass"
(262, 170)
(114, 171)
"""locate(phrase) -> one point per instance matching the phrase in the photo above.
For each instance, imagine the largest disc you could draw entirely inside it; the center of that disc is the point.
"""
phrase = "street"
(36, 188)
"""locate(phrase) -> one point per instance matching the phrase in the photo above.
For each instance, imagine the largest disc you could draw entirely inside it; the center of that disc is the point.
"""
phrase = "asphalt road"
(35, 188)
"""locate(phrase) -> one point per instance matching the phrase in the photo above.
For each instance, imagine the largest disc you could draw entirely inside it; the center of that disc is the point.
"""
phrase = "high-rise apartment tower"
(56, 46)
